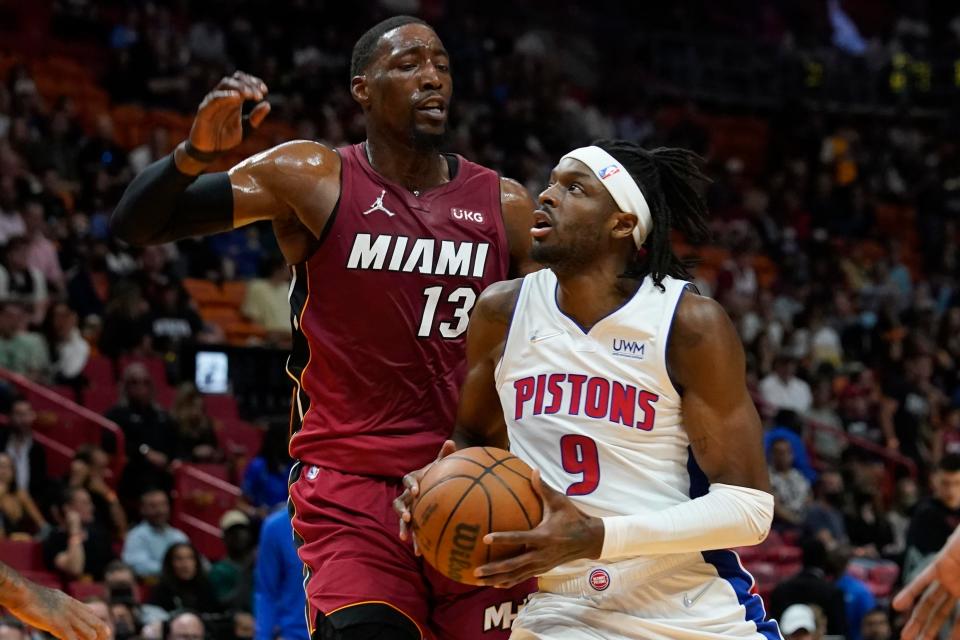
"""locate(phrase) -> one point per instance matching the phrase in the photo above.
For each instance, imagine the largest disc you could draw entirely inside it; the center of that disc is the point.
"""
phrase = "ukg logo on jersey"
(466, 216)
(629, 348)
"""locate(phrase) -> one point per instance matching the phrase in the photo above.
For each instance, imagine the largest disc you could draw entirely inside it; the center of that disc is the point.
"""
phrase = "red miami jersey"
(380, 314)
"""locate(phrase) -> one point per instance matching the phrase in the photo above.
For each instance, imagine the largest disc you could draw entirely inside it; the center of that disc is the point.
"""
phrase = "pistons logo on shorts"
(599, 579)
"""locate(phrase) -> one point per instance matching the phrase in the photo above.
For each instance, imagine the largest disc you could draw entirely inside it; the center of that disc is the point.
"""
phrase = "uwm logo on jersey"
(591, 396)
(420, 255)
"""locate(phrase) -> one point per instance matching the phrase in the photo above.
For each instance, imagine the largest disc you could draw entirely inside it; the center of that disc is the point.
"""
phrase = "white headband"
(620, 184)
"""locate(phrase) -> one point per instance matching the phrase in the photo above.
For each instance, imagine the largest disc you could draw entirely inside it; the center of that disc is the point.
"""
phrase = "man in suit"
(29, 458)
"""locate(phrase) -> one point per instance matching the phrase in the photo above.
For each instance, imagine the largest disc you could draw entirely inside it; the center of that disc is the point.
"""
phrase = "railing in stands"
(200, 499)
(75, 425)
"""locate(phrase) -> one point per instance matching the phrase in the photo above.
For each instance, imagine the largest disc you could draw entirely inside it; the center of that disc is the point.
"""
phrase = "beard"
(424, 141)
(569, 256)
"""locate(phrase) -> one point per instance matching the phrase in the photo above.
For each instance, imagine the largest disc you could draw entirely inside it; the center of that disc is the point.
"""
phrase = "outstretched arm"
(48, 609)
(170, 199)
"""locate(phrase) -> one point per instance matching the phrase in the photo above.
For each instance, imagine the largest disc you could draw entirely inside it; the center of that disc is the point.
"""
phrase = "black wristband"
(200, 156)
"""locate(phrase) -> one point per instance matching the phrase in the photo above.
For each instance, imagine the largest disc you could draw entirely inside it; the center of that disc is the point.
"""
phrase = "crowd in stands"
(835, 252)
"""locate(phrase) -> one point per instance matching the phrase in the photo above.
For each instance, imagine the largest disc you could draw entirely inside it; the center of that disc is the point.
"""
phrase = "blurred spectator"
(186, 626)
(88, 470)
(122, 589)
(155, 148)
(124, 621)
(78, 547)
(264, 483)
(243, 626)
(916, 404)
(866, 523)
(791, 491)
(825, 519)
(232, 576)
(857, 597)
(20, 351)
(22, 282)
(68, 350)
(29, 458)
(799, 623)
(126, 325)
(41, 252)
(173, 321)
(149, 430)
(11, 225)
(196, 437)
(183, 582)
(18, 512)
(147, 543)
(904, 503)
(278, 595)
(101, 609)
(782, 389)
(828, 444)
(876, 625)
(934, 519)
(811, 586)
(788, 426)
(12, 629)
(947, 438)
(266, 300)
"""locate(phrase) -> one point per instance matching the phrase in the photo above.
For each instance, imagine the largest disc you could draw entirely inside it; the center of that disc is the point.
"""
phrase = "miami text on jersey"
(422, 255)
(592, 396)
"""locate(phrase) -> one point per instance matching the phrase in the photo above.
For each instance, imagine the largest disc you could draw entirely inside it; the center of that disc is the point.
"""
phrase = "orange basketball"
(465, 496)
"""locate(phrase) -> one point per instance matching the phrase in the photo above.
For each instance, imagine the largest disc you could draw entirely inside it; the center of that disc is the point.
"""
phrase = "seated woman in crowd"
(18, 512)
(183, 582)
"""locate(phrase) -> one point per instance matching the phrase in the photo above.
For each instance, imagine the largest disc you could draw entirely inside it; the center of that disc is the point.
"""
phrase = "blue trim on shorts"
(728, 566)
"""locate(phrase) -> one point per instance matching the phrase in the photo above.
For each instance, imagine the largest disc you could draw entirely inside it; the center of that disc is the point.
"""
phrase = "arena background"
(830, 132)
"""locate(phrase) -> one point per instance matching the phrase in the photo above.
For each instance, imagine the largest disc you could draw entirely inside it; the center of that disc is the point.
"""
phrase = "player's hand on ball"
(218, 125)
(938, 587)
(403, 504)
(564, 534)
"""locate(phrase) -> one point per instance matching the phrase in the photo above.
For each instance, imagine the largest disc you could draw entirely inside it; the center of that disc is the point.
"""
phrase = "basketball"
(465, 496)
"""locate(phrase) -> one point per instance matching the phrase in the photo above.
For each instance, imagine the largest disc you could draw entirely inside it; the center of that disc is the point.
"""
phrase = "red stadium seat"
(24, 555)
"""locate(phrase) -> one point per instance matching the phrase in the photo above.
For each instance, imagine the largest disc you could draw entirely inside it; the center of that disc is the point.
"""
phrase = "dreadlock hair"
(364, 48)
(670, 180)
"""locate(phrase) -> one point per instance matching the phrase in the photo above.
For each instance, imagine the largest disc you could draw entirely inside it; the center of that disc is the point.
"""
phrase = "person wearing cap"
(232, 576)
(799, 622)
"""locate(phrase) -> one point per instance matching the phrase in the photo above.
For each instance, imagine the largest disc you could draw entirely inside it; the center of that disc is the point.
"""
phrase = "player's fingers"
(449, 446)
(250, 88)
(921, 613)
(547, 494)
(412, 484)
(252, 80)
(943, 609)
(259, 113)
(416, 547)
(511, 537)
(492, 570)
(905, 599)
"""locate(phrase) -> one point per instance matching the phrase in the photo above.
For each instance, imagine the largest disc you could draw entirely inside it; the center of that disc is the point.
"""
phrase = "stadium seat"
(83, 589)
(22, 555)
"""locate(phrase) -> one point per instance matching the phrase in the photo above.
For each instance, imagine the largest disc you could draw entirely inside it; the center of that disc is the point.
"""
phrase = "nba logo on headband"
(608, 171)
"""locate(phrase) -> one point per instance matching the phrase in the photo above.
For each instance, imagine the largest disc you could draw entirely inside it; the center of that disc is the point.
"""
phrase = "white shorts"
(705, 599)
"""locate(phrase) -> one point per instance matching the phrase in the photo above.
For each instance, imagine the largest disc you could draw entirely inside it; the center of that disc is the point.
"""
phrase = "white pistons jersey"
(595, 410)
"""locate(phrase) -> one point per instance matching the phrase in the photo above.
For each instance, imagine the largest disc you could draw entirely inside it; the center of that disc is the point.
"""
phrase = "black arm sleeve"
(162, 204)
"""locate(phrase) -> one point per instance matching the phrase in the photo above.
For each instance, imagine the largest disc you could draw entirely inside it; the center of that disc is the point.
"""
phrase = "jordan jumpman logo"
(378, 205)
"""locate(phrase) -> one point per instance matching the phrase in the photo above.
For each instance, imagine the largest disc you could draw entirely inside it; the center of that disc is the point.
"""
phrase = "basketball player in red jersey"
(391, 243)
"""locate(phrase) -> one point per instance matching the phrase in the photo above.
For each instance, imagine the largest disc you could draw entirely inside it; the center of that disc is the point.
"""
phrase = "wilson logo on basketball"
(464, 542)
(599, 579)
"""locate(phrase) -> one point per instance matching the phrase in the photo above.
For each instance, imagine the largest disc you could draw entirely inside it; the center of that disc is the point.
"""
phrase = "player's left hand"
(938, 590)
(564, 534)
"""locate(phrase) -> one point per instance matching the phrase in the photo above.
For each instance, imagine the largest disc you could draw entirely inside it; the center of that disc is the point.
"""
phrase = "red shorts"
(354, 556)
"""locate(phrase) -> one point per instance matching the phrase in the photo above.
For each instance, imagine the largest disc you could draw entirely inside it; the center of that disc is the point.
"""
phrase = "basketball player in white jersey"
(626, 390)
